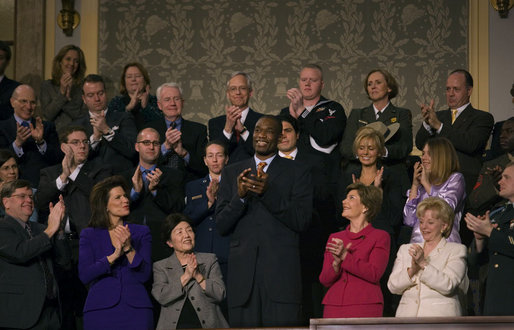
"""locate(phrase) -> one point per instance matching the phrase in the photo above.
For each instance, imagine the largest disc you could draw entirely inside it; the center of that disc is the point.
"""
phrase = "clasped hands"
(23, 133)
(418, 260)
(174, 141)
(249, 182)
(339, 251)
(429, 115)
(121, 239)
(99, 124)
(233, 121)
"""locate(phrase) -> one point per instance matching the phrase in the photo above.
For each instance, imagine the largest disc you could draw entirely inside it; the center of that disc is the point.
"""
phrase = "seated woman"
(356, 258)
(61, 96)
(431, 277)
(115, 262)
(8, 173)
(135, 95)
(436, 176)
(189, 286)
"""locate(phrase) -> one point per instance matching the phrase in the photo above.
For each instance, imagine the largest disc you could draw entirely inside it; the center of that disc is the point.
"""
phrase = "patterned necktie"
(145, 178)
(454, 115)
(49, 280)
(172, 159)
(25, 124)
(260, 168)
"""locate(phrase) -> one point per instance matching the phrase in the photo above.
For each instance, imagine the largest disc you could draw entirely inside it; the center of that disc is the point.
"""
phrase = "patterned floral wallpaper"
(198, 43)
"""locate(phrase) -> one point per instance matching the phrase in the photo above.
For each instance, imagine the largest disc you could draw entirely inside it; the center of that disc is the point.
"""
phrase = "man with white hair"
(182, 141)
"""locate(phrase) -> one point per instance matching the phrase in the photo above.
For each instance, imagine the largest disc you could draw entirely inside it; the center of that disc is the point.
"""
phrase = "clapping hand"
(296, 105)
(339, 251)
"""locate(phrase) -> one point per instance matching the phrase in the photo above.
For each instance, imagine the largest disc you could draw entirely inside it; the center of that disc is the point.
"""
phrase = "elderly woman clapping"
(431, 276)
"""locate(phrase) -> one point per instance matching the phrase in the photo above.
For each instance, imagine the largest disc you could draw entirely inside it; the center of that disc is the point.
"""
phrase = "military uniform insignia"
(196, 197)
(511, 226)
(320, 109)
(394, 120)
(331, 112)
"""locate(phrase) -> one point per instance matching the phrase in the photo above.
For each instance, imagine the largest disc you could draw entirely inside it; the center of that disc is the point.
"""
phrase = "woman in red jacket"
(356, 258)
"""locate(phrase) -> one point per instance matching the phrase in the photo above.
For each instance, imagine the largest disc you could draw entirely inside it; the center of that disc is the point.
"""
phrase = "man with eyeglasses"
(182, 141)
(29, 287)
(74, 179)
(111, 134)
(235, 127)
(33, 140)
(156, 190)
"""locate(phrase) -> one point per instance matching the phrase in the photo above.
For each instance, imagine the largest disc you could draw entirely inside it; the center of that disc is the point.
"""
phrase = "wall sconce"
(502, 7)
(68, 19)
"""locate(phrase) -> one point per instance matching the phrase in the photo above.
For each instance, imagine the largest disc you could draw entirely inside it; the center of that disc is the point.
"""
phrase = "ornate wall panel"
(197, 43)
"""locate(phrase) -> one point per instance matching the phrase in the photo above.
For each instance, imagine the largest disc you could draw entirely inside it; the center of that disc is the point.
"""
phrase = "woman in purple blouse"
(436, 176)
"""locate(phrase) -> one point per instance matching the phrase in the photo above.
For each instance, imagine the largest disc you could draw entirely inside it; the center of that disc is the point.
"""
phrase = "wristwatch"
(243, 130)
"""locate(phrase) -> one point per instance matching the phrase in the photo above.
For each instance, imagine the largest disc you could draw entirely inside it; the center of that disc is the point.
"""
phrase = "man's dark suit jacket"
(468, 134)
(194, 139)
(120, 152)
(75, 194)
(7, 87)
(151, 210)
(398, 147)
(22, 284)
(265, 229)
(204, 221)
(237, 150)
(32, 160)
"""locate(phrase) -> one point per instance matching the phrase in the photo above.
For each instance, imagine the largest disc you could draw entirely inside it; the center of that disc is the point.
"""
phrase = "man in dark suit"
(73, 179)
(313, 240)
(494, 243)
(33, 140)
(183, 141)
(235, 128)
(156, 191)
(467, 128)
(7, 85)
(29, 290)
(321, 121)
(201, 196)
(111, 134)
(263, 203)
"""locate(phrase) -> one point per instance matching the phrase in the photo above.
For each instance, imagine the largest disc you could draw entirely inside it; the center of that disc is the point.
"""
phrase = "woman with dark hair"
(437, 176)
(61, 96)
(135, 95)
(431, 276)
(9, 172)
(115, 262)
(356, 258)
(189, 286)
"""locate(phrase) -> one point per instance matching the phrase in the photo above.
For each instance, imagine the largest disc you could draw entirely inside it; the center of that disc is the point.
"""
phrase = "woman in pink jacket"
(356, 258)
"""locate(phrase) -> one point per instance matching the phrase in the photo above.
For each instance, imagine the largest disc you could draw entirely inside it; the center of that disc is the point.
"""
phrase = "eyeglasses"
(240, 89)
(148, 143)
(78, 142)
(23, 196)
(25, 102)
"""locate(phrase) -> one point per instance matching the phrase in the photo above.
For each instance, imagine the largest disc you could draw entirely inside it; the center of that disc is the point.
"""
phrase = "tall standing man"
(235, 128)
(263, 204)
(467, 128)
(29, 290)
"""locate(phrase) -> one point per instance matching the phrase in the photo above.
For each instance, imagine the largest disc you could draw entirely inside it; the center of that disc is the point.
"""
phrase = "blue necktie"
(25, 124)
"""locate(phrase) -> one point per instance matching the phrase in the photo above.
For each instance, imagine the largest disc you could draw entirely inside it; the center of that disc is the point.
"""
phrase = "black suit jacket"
(75, 194)
(32, 161)
(22, 284)
(265, 229)
(120, 152)
(398, 147)
(237, 150)
(151, 210)
(468, 134)
(7, 86)
(194, 139)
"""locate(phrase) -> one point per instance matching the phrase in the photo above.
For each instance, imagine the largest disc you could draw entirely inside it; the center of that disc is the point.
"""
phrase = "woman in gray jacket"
(189, 286)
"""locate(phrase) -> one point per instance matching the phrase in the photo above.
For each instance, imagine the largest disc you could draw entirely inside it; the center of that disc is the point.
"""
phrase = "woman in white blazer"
(431, 276)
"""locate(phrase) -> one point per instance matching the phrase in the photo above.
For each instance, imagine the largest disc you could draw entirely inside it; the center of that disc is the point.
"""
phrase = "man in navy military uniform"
(494, 242)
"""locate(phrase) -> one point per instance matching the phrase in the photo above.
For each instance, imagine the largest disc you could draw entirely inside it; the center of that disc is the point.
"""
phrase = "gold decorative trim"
(49, 38)
(478, 55)
(89, 34)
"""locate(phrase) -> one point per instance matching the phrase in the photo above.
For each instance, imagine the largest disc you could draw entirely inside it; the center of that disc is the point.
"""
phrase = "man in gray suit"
(28, 288)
